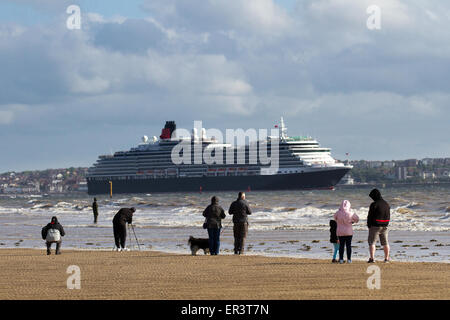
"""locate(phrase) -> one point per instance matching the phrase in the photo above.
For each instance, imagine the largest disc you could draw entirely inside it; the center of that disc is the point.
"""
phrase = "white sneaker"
(125, 249)
(119, 250)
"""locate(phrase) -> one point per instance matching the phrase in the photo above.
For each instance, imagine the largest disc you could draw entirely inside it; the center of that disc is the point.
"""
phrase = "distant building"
(410, 163)
(82, 186)
(389, 164)
(428, 175)
(427, 161)
(375, 164)
(401, 173)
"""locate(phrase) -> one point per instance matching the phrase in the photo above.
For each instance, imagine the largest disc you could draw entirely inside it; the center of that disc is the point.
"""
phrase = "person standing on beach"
(95, 209)
(240, 210)
(52, 233)
(122, 217)
(334, 239)
(344, 218)
(377, 222)
(214, 215)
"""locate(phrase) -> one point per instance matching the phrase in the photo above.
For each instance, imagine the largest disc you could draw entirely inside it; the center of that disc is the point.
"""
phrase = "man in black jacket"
(377, 222)
(240, 210)
(214, 215)
(122, 217)
(56, 232)
(95, 209)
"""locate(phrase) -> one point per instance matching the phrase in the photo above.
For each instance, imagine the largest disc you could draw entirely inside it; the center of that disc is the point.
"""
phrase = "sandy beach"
(31, 274)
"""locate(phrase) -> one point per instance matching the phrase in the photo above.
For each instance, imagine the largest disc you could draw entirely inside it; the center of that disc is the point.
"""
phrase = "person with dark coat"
(122, 217)
(334, 239)
(214, 215)
(239, 209)
(377, 221)
(52, 233)
(95, 209)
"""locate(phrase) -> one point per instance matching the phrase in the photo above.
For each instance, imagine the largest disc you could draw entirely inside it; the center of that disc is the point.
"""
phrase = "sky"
(67, 96)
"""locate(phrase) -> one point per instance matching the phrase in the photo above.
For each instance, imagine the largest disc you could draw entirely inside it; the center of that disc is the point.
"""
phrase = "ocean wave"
(42, 206)
(412, 205)
(270, 212)
(403, 210)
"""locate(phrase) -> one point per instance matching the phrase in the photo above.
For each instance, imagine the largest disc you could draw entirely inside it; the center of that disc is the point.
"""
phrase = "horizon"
(69, 94)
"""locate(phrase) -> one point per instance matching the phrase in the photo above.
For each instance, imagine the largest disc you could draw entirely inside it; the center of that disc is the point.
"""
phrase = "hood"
(333, 223)
(54, 220)
(345, 206)
(214, 200)
(375, 194)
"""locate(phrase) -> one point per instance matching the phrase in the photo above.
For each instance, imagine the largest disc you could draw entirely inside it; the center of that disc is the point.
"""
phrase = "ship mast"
(283, 130)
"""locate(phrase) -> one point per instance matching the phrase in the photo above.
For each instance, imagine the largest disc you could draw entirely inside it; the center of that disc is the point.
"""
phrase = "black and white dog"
(197, 244)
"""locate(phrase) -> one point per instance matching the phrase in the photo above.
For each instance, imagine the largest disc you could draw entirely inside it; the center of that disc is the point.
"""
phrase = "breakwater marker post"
(110, 189)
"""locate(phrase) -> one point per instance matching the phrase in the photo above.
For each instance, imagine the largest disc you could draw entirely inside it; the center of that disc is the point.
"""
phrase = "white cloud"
(260, 16)
(6, 117)
(10, 112)
(237, 64)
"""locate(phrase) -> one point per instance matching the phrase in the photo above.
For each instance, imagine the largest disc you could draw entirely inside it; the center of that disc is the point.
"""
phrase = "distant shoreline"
(392, 184)
(339, 186)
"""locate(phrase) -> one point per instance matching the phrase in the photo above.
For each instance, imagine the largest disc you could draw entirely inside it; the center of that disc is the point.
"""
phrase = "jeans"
(214, 240)
(336, 249)
(345, 242)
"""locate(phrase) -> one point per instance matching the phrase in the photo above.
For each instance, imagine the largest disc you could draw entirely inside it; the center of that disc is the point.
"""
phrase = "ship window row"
(168, 152)
(119, 161)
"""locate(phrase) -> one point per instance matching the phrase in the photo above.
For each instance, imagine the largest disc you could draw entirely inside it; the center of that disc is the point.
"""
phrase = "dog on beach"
(198, 244)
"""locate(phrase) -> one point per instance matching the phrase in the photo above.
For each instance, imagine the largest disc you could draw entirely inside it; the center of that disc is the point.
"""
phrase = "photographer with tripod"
(122, 217)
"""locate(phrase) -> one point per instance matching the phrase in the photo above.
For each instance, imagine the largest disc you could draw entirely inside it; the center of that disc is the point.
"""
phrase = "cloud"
(260, 16)
(9, 113)
(232, 64)
(6, 117)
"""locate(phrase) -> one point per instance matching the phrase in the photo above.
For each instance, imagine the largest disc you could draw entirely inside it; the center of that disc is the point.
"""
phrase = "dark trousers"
(58, 246)
(240, 232)
(95, 218)
(120, 234)
(345, 242)
(214, 240)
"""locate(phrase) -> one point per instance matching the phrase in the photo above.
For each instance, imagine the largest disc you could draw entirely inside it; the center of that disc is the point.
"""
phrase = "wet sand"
(31, 274)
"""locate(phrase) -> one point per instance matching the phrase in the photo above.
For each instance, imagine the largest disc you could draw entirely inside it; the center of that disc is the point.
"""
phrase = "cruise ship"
(154, 165)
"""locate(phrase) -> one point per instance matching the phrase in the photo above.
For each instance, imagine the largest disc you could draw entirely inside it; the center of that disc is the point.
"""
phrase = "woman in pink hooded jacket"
(345, 218)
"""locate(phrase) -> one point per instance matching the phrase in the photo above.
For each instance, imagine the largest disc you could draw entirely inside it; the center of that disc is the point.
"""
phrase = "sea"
(283, 223)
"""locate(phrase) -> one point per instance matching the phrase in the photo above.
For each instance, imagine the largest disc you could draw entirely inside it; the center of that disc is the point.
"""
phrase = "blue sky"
(24, 13)
(67, 96)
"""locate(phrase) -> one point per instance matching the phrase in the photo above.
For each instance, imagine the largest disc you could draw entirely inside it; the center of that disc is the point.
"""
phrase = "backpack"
(53, 235)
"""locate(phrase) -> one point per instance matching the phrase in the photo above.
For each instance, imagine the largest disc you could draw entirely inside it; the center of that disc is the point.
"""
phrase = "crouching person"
(52, 233)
